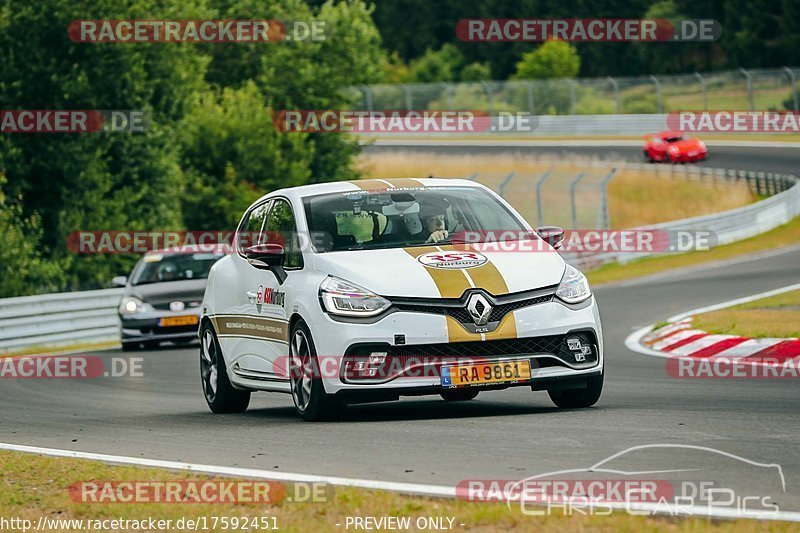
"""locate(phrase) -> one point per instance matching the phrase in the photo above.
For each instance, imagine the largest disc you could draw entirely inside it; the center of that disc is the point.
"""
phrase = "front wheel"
(308, 392)
(578, 398)
(220, 394)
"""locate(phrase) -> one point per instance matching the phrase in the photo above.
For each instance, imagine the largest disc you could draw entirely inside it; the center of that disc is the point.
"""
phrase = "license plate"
(170, 321)
(485, 373)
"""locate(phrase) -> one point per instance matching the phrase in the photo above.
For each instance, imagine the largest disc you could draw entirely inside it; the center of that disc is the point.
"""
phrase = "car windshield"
(155, 268)
(674, 138)
(365, 220)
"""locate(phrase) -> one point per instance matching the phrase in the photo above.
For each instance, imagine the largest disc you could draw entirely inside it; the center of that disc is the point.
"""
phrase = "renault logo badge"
(479, 309)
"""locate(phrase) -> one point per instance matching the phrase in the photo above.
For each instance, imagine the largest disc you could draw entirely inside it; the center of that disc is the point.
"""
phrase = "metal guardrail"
(727, 226)
(732, 89)
(51, 321)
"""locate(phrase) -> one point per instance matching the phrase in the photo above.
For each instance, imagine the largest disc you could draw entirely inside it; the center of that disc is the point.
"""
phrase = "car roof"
(314, 189)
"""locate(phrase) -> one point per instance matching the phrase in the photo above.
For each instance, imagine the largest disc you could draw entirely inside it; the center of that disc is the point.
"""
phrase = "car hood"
(401, 272)
(188, 290)
(687, 145)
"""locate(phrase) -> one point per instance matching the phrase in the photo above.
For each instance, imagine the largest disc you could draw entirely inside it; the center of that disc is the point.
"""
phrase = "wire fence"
(579, 199)
(743, 89)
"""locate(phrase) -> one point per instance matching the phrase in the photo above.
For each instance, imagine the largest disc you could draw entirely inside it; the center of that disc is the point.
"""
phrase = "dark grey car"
(162, 298)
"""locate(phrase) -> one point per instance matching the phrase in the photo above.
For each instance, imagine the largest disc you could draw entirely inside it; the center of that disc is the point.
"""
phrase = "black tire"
(311, 402)
(648, 158)
(667, 158)
(459, 395)
(131, 346)
(218, 391)
(578, 398)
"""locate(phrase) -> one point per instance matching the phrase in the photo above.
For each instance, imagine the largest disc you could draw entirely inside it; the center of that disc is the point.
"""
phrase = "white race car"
(369, 290)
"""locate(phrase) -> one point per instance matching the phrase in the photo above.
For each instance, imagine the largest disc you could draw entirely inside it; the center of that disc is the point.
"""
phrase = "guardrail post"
(502, 190)
(409, 98)
(451, 101)
(702, 81)
(367, 96)
(793, 81)
(542, 179)
(572, 188)
(572, 96)
(489, 95)
(615, 86)
(531, 101)
(658, 93)
(750, 98)
(603, 217)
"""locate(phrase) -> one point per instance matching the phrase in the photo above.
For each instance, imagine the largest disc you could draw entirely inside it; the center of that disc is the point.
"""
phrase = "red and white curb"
(678, 338)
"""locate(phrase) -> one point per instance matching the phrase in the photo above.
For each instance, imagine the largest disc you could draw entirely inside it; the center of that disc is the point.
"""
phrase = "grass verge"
(32, 486)
(782, 236)
(776, 317)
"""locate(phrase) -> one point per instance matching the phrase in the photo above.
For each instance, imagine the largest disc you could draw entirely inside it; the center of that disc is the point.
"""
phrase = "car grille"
(164, 306)
(435, 355)
(457, 307)
(550, 344)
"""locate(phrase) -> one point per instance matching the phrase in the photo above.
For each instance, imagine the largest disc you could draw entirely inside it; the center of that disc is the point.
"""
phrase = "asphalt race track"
(500, 435)
(767, 159)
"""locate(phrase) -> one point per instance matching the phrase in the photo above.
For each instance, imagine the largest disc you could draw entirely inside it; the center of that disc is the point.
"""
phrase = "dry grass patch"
(777, 317)
(640, 198)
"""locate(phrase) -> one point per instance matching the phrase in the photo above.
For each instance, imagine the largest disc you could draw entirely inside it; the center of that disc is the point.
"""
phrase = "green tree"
(443, 64)
(553, 59)
(24, 269)
(95, 181)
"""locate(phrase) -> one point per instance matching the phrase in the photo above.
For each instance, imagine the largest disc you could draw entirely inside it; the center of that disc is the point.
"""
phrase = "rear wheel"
(311, 401)
(220, 395)
(459, 395)
(576, 398)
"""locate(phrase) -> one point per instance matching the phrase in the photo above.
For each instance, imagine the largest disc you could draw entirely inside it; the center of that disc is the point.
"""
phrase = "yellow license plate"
(170, 321)
(483, 373)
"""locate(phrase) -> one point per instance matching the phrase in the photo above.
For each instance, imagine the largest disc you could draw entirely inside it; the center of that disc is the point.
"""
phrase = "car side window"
(251, 230)
(282, 229)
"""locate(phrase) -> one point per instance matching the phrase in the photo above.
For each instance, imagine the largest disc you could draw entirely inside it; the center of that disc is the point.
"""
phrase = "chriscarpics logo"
(448, 260)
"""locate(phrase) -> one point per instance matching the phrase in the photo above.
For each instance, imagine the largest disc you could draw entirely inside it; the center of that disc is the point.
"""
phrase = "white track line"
(633, 341)
(406, 488)
(410, 488)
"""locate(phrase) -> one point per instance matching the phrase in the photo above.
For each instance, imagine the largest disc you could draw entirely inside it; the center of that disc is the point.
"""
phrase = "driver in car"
(433, 216)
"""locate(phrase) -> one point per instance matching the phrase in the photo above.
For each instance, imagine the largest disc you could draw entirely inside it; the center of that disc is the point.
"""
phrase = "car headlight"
(702, 145)
(130, 306)
(341, 297)
(673, 149)
(574, 287)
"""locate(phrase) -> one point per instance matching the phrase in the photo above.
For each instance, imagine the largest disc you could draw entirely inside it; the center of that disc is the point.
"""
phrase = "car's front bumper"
(429, 344)
(147, 327)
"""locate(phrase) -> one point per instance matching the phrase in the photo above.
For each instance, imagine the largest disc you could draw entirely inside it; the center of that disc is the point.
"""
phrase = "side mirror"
(119, 281)
(267, 257)
(553, 235)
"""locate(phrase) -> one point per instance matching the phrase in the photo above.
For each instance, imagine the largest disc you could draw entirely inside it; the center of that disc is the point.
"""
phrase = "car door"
(270, 302)
(235, 327)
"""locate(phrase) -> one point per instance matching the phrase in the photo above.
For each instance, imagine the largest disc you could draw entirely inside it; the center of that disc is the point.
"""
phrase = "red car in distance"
(674, 147)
